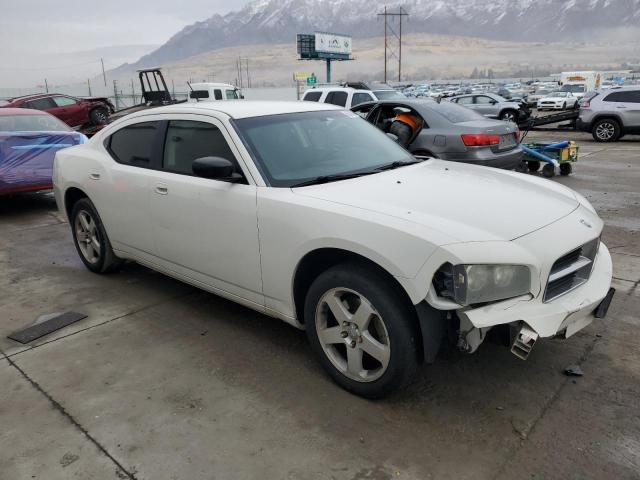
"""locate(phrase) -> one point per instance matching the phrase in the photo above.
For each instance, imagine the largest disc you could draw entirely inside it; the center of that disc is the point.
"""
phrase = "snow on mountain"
(277, 21)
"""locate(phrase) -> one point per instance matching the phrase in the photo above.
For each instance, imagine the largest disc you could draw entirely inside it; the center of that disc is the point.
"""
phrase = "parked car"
(28, 142)
(494, 106)
(341, 96)
(610, 114)
(557, 100)
(74, 111)
(211, 92)
(532, 98)
(451, 132)
(307, 213)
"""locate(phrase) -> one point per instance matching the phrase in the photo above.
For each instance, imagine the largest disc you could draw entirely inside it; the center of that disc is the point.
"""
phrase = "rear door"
(123, 191)
(626, 103)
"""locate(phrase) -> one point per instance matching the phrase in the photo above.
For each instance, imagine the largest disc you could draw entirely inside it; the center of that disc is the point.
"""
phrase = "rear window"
(312, 96)
(588, 96)
(198, 94)
(455, 113)
(337, 98)
(388, 94)
(627, 96)
(133, 145)
(31, 123)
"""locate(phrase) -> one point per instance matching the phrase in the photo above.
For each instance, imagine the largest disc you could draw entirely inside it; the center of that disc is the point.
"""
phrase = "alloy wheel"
(352, 334)
(509, 117)
(87, 236)
(605, 131)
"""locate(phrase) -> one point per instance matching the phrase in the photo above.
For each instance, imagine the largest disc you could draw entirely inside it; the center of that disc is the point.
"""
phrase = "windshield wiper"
(398, 164)
(331, 178)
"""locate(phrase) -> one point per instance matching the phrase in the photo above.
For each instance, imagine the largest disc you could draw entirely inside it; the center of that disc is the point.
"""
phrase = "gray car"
(450, 132)
(610, 114)
(494, 106)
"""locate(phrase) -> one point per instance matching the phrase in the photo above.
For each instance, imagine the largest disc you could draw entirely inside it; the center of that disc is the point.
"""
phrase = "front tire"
(606, 130)
(90, 238)
(362, 330)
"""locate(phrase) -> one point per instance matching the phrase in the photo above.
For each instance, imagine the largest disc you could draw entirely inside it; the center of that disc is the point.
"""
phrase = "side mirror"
(493, 102)
(216, 168)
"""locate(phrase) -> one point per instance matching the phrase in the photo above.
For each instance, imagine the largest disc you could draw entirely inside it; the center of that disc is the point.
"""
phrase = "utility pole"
(248, 82)
(115, 94)
(46, 86)
(104, 76)
(387, 27)
(133, 93)
(89, 85)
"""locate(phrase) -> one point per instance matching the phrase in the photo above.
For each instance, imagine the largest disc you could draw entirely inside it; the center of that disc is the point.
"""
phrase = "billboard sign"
(333, 43)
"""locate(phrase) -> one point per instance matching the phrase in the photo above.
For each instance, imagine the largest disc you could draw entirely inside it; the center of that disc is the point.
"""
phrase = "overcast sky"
(33, 32)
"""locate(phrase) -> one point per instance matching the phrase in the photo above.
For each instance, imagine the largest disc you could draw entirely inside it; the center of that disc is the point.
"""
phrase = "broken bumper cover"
(565, 315)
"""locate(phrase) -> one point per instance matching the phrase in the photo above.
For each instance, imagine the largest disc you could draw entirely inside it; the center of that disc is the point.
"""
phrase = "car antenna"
(191, 88)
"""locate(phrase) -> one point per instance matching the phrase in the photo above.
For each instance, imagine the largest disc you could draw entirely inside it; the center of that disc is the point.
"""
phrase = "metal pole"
(248, 82)
(46, 86)
(400, 54)
(133, 93)
(89, 85)
(115, 94)
(328, 70)
(104, 76)
(385, 44)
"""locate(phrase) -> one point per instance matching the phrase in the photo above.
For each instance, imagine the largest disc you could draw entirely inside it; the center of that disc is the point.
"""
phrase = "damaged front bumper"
(561, 317)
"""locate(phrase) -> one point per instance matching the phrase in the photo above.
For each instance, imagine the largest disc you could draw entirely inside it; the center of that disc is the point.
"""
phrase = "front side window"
(133, 145)
(359, 98)
(297, 147)
(232, 94)
(337, 98)
(64, 101)
(217, 94)
(187, 141)
(41, 104)
(312, 96)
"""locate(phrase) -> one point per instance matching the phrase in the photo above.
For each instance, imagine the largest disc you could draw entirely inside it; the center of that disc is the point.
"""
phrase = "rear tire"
(362, 330)
(606, 130)
(564, 106)
(90, 238)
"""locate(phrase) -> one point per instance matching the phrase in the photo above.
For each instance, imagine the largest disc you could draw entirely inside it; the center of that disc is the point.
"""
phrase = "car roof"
(5, 112)
(337, 89)
(239, 108)
(211, 85)
(33, 96)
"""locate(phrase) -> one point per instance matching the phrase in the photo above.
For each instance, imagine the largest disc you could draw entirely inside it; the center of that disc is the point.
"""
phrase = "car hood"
(463, 202)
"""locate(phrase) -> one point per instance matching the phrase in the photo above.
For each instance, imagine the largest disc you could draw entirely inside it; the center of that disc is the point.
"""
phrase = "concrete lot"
(162, 381)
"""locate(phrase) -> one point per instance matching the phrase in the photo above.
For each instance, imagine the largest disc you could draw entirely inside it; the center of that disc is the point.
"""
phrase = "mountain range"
(264, 22)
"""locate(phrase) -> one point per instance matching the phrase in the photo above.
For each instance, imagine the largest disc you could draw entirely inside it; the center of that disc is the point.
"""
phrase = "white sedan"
(558, 101)
(305, 212)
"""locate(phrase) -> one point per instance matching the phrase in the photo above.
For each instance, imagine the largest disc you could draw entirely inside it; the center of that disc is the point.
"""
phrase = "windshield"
(573, 88)
(296, 147)
(232, 94)
(455, 113)
(31, 123)
(558, 94)
(388, 94)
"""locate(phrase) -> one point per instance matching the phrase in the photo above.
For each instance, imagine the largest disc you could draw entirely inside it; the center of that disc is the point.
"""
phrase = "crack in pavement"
(526, 432)
(120, 469)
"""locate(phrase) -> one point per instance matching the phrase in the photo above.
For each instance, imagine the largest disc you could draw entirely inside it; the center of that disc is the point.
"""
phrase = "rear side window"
(625, 96)
(133, 145)
(198, 94)
(41, 104)
(337, 98)
(64, 101)
(217, 94)
(455, 113)
(187, 141)
(359, 98)
(464, 100)
(312, 96)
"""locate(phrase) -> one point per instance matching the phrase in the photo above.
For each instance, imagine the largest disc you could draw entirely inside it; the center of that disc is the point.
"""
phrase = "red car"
(74, 111)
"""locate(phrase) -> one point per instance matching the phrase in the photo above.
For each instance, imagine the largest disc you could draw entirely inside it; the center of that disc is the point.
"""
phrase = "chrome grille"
(571, 270)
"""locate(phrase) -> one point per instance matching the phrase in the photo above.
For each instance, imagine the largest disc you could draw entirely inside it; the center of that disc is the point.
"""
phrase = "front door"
(205, 229)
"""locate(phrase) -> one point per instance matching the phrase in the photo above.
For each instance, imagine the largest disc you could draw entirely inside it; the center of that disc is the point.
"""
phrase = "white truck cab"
(211, 92)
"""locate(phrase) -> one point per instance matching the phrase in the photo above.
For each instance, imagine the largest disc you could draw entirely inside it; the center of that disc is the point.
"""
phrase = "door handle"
(621, 106)
(161, 189)
(94, 176)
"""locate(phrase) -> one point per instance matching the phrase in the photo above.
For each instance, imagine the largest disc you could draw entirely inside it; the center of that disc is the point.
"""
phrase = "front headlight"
(470, 284)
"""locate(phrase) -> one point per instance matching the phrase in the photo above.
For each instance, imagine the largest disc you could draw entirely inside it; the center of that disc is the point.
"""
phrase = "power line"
(393, 15)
